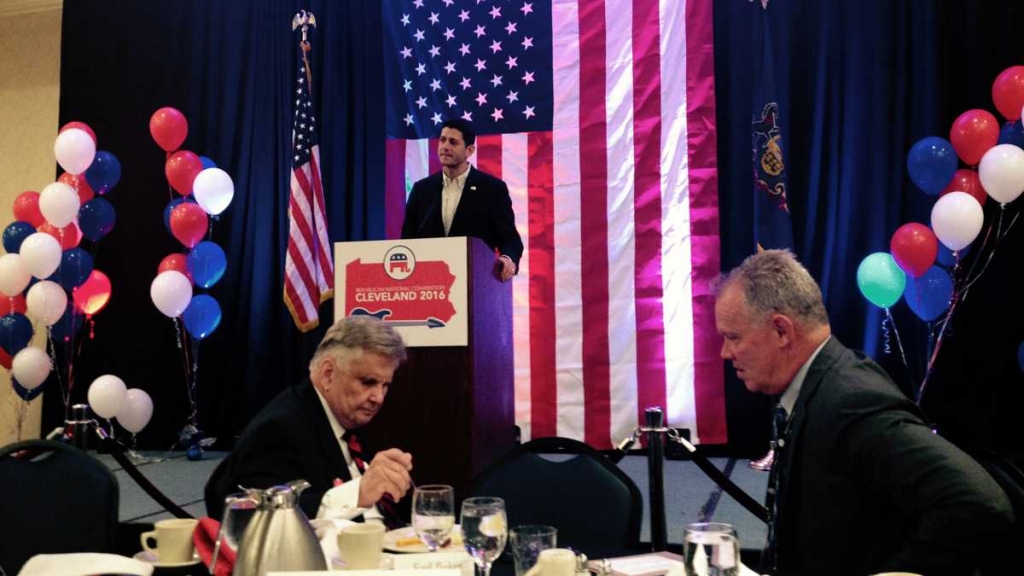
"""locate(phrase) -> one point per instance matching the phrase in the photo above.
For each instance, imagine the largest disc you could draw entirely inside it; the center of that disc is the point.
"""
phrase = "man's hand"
(388, 473)
(506, 268)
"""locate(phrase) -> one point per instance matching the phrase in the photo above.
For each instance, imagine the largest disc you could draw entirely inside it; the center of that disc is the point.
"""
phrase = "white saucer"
(149, 558)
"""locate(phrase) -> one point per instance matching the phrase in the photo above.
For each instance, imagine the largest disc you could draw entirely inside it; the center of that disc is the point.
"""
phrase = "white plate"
(149, 558)
(391, 539)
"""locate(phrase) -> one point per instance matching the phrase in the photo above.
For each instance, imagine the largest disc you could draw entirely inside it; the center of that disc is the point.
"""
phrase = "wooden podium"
(451, 407)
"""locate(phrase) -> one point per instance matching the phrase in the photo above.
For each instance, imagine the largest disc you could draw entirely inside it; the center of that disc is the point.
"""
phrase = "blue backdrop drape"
(858, 83)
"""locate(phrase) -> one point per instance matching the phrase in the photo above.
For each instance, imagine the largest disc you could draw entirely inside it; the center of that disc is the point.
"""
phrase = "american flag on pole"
(308, 269)
(600, 117)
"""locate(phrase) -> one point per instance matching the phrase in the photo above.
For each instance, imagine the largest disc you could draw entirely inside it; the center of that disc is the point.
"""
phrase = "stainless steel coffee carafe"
(279, 537)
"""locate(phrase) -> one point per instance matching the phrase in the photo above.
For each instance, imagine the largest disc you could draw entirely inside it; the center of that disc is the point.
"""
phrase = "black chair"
(56, 499)
(595, 506)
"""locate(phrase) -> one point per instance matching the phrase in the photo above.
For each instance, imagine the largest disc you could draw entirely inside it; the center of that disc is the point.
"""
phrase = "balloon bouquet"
(925, 262)
(46, 277)
(204, 192)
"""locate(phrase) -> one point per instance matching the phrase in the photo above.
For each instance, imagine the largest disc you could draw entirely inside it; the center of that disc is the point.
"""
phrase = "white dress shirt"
(451, 194)
(788, 399)
(343, 501)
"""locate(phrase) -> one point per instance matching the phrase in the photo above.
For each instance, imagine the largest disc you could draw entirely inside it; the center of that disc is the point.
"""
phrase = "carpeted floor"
(687, 492)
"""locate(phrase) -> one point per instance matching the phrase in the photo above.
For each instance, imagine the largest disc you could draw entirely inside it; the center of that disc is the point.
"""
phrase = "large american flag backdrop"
(600, 117)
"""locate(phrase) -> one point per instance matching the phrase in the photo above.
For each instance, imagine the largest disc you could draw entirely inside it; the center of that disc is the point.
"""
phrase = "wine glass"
(484, 530)
(711, 549)
(433, 514)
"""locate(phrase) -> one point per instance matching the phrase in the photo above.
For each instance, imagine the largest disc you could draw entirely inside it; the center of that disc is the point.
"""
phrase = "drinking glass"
(239, 509)
(528, 542)
(711, 549)
(484, 530)
(433, 514)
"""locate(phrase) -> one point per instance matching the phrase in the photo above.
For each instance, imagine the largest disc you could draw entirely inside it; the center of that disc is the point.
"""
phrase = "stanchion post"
(655, 421)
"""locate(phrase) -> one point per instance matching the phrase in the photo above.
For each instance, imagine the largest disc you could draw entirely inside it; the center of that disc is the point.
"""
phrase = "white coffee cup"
(360, 545)
(173, 540)
(554, 562)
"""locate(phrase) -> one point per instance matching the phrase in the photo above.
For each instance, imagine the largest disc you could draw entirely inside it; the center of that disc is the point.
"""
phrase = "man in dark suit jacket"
(299, 434)
(463, 201)
(863, 485)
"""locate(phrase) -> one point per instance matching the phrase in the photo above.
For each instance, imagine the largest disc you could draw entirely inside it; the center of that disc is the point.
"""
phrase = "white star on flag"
(497, 114)
(529, 113)
(419, 35)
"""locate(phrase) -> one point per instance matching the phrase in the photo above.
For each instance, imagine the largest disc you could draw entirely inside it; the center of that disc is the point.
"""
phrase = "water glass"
(711, 549)
(433, 514)
(527, 543)
(239, 508)
(484, 530)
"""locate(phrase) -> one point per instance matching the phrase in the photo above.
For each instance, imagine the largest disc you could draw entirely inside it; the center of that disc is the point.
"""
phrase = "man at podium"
(461, 200)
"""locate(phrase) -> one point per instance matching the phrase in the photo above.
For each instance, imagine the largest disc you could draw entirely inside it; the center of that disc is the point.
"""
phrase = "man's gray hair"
(365, 333)
(774, 282)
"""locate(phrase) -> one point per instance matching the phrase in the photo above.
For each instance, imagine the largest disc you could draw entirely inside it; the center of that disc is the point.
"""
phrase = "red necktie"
(385, 505)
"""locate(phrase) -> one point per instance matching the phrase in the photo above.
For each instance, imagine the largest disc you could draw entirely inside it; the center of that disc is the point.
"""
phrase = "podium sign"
(417, 286)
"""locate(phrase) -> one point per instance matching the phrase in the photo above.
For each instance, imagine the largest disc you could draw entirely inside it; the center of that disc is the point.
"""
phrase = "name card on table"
(459, 560)
(643, 565)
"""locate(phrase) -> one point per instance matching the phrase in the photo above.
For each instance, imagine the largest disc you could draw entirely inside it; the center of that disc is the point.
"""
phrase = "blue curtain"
(858, 84)
(230, 67)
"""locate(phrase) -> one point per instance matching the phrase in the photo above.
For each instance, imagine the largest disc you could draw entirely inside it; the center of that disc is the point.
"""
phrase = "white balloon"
(213, 190)
(46, 302)
(59, 203)
(14, 276)
(107, 396)
(136, 411)
(171, 292)
(74, 150)
(957, 218)
(30, 367)
(1002, 172)
(41, 254)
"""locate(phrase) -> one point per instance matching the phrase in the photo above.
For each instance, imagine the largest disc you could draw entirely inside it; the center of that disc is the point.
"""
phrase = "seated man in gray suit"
(860, 483)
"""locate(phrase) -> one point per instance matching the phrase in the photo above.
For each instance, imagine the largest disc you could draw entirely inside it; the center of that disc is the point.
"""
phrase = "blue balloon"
(945, 256)
(202, 316)
(932, 163)
(15, 234)
(15, 332)
(929, 295)
(67, 325)
(207, 163)
(207, 263)
(170, 206)
(26, 394)
(96, 219)
(1012, 133)
(104, 172)
(75, 267)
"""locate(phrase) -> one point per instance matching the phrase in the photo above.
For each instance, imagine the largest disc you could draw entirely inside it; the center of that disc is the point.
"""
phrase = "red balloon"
(80, 184)
(177, 262)
(189, 223)
(93, 294)
(967, 180)
(26, 209)
(973, 133)
(914, 248)
(181, 169)
(81, 126)
(68, 236)
(169, 128)
(16, 304)
(1008, 92)
(5, 359)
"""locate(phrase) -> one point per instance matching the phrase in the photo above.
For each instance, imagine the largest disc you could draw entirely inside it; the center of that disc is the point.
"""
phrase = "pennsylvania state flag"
(772, 225)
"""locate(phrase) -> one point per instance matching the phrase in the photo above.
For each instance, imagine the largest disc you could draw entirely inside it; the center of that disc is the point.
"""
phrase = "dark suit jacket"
(291, 438)
(868, 487)
(484, 211)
